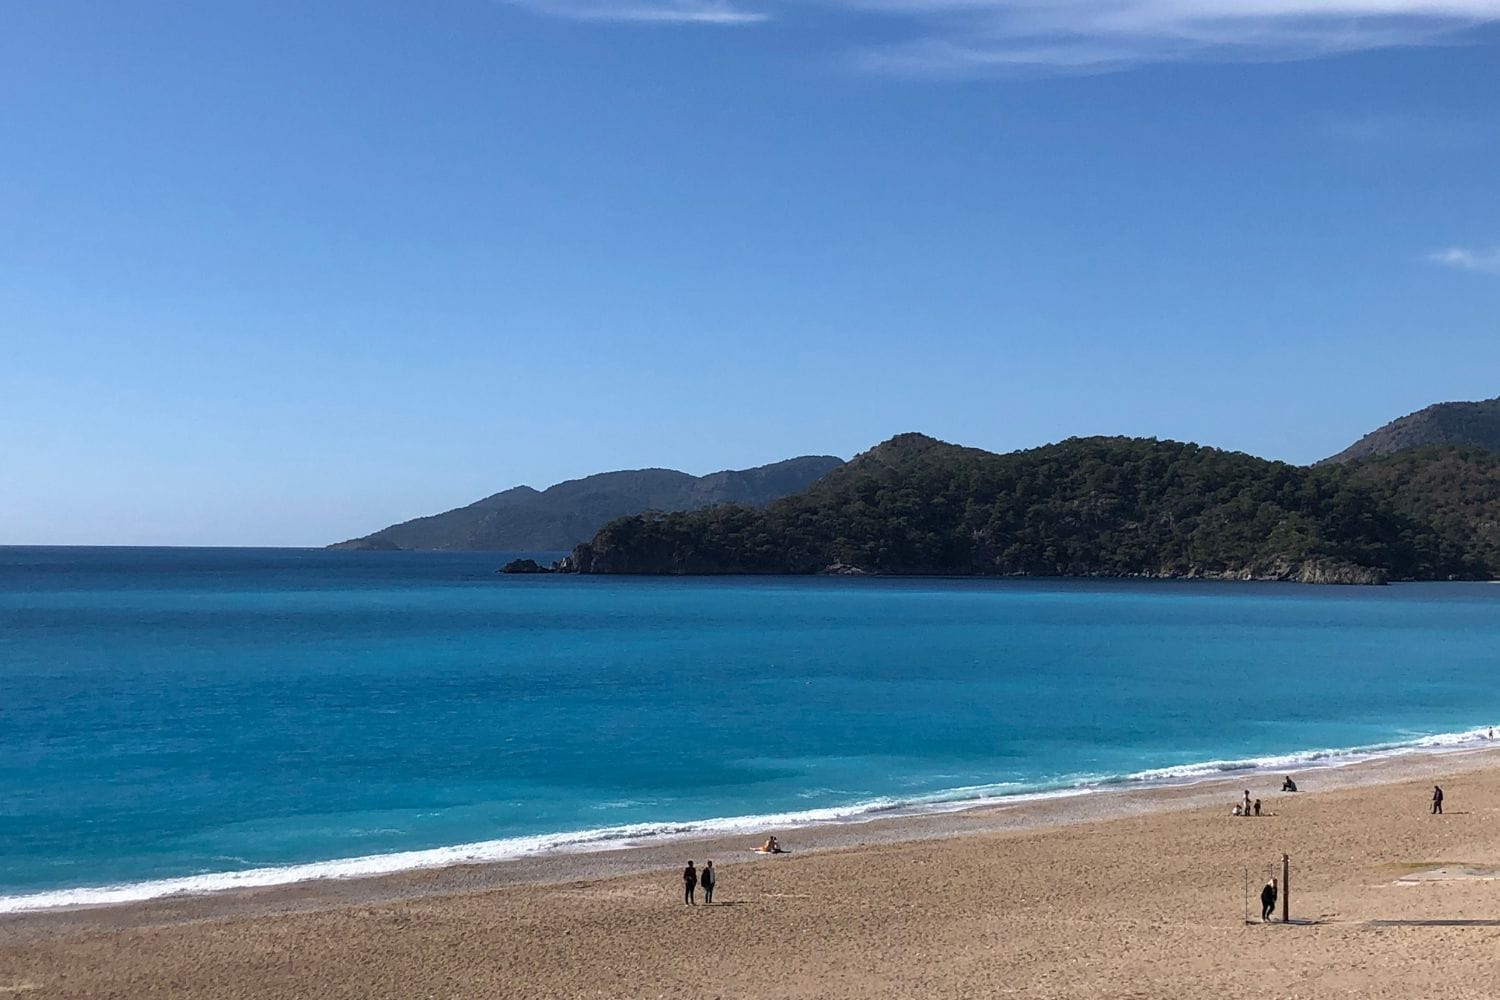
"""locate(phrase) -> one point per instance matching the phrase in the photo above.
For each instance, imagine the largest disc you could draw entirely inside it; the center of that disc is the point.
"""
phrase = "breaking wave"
(621, 837)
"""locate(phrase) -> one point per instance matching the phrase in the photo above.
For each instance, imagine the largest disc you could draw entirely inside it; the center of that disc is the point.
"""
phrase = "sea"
(186, 720)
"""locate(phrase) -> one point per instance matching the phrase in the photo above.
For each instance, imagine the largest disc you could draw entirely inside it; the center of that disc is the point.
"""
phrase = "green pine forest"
(1101, 506)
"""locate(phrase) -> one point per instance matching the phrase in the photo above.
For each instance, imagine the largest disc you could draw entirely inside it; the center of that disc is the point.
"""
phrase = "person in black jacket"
(1437, 800)
(707, 880)
(1268, 900)
(689, 884)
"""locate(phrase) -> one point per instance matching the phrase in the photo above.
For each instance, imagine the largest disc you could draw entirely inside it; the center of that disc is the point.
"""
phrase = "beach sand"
(1126, 894)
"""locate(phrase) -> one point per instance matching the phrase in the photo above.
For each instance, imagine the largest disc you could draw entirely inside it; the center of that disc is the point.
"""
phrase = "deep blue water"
(167, 713)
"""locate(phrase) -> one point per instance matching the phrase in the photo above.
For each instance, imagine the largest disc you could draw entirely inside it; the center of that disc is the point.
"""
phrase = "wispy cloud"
(715, 12)
(977, 36)
(980, 37)
(1479, 261)
(1411, 130)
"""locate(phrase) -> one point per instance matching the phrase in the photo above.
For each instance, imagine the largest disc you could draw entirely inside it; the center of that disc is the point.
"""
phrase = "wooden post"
(1286, 888)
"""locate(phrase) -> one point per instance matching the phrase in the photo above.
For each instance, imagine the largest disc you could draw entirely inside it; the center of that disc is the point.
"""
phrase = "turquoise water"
(183, 714)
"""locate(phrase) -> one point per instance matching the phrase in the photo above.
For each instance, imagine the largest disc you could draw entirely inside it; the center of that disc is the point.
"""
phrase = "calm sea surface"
(180, 714)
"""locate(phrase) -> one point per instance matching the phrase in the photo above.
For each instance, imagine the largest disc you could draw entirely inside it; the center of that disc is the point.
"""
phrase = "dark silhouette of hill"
(523, 519)
(1091, 507)
(1442, 423)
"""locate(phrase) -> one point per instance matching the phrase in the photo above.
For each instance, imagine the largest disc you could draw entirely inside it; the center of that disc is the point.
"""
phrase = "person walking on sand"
(689, 884)
(707, 880)
(1437, 800)
(1268, 900)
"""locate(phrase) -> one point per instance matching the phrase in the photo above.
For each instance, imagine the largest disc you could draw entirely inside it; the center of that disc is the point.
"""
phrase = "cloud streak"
(968, 37)
(709, 12)
(1406, 130)
(993, 37)
(1462, 259)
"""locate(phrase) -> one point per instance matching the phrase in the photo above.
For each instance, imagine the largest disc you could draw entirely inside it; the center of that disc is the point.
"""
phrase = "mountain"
(1091, 507)
(527, 520)
(1442, 423)
(1454, 491)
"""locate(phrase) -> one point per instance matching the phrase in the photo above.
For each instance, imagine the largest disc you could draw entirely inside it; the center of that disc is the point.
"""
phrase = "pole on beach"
(1286, 888)
(1247, 895)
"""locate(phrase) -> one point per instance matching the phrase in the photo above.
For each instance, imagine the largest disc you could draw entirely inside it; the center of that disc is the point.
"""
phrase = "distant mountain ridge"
(523, 519)
(1103, 506)
(1459, 423)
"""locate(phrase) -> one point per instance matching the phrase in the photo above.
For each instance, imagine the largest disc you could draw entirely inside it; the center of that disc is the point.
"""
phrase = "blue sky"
(282, 273)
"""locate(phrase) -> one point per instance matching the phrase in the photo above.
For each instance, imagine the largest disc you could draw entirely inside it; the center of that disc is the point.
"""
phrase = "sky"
(282, 273)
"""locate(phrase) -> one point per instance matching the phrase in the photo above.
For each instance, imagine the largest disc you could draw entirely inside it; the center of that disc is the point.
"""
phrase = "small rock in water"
(524, 566)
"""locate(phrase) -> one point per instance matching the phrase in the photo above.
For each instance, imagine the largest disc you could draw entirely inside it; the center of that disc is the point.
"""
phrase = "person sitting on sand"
(1288, 785)
(1268, 899)
(771, 846)
(1237, 810)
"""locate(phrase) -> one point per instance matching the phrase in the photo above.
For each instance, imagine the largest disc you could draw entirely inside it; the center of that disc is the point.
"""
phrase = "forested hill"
(1475, 424)
(528, 520)
(1092, 507)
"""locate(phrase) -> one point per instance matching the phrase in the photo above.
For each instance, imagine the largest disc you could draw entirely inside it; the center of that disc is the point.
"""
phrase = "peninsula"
(1101, 506)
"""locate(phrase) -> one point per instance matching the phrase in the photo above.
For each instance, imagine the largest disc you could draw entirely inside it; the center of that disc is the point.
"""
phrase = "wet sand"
(1124, 894)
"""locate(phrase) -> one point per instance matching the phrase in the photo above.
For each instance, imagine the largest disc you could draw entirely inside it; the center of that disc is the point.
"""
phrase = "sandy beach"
(1121, 894)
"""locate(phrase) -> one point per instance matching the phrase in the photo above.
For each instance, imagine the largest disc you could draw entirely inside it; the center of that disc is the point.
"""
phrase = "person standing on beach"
(1437, 800)
(707, 880)
(1246, 806)
(689, 884)
(1268, 900)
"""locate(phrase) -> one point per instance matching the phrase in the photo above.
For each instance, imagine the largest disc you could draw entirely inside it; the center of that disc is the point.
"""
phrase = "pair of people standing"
(692, 878)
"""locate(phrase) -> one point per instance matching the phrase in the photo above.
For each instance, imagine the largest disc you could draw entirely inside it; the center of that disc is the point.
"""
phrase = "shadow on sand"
(1432, 923)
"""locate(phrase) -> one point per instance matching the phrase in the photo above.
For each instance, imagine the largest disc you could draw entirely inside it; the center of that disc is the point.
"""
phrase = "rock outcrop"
(524, 566)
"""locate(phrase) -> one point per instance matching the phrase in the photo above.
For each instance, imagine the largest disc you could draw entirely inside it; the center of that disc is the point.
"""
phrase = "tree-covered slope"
(1083, 507)
(527, 520)
(1453, 491)
(1476, 424)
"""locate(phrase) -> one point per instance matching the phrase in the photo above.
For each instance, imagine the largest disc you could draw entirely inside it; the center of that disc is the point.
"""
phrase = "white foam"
(1302, 760)
(633, 835)
(603, 839)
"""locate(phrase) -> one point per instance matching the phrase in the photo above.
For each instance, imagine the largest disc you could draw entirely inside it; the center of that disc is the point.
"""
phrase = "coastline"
(1147, 894)
(1200, 787)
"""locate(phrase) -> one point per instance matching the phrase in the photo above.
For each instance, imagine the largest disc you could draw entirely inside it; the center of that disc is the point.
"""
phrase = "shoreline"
(1024, 812)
